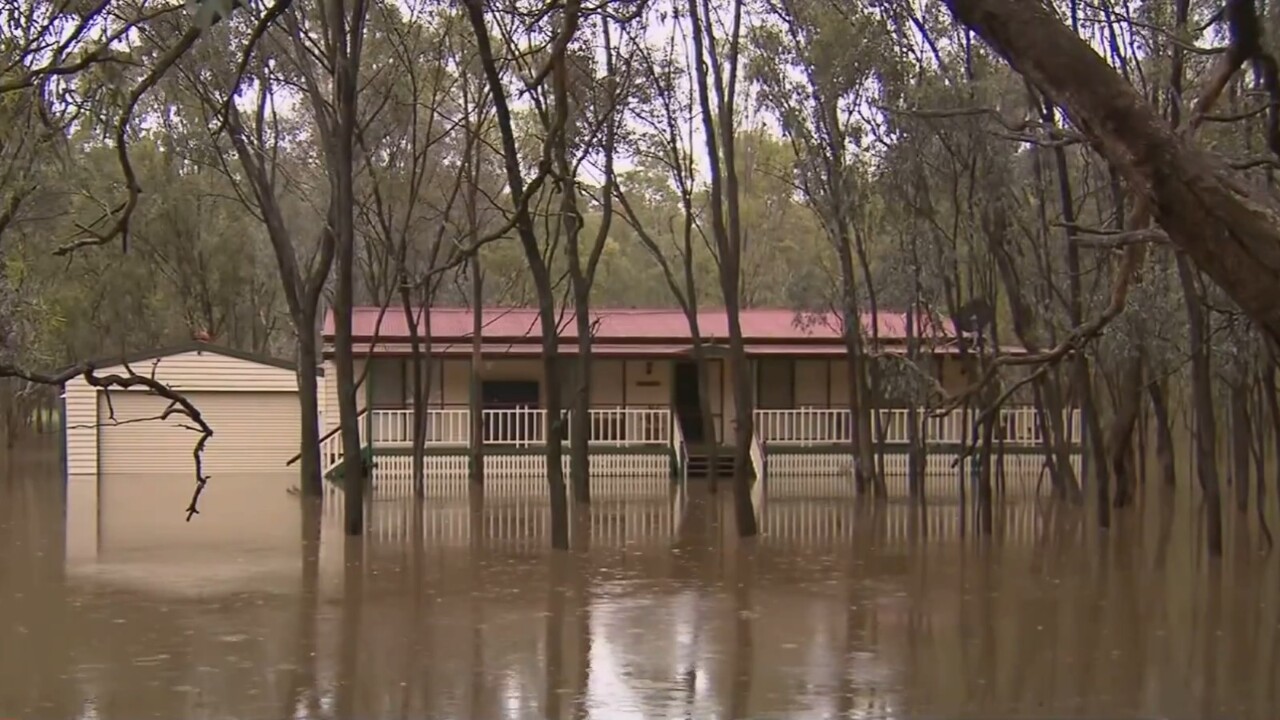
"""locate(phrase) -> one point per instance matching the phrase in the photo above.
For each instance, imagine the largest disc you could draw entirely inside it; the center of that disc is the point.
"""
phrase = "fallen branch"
(178, 405)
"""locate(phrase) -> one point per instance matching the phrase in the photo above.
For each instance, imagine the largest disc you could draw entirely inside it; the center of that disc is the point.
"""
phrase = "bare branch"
(178, 405)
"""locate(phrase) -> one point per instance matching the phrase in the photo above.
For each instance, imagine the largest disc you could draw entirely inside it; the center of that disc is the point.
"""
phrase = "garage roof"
(196, 346)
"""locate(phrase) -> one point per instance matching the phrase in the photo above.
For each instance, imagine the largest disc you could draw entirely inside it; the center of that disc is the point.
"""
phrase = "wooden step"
(700, 465)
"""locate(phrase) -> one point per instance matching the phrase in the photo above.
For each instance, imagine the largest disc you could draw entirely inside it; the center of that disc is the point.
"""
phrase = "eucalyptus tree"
(421, 186)
(551, 35)
(583, 121)
(807, 77)
(716, 48)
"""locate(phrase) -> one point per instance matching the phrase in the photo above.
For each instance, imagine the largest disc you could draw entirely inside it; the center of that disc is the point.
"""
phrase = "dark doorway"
(503, 427)
(689, 401)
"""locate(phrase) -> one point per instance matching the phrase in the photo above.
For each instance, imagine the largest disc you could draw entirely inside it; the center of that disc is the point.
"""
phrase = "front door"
(510, 395)
(688, 401)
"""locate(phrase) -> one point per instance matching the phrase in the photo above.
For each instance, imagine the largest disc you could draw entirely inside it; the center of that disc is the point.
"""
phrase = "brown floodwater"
(456, 609)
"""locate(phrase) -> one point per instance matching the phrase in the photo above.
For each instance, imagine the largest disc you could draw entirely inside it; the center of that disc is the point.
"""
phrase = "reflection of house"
(646, 392)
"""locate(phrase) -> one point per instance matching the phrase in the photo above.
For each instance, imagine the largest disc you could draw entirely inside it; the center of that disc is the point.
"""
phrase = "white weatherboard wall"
(236, 389)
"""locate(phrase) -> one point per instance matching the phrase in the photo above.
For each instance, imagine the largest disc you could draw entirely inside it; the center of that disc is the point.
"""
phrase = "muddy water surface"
(456, 610)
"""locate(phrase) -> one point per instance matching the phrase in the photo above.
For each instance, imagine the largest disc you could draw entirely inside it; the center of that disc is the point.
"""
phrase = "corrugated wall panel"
(329, 397)
(82, 436)
(253, 433)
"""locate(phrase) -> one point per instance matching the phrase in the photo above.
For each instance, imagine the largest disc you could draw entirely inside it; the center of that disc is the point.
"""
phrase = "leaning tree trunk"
(1228, 229)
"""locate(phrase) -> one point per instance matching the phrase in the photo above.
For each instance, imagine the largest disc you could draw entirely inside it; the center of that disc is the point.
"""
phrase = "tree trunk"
(743, 431)
(311, 480)
(1164, 434)
(1273, 409)
(419, 401)
(915, 465)
(1258, 447)
(475, 387)
(873, 445)
(530, 244)
(859, 409)
(344, 64)
(985, 520)
(580, 421)
(1240, 434)
(554, 420)
(710, 434)
(1120, 437)
(1206, 434)
(1081, 375)
(1230, 231)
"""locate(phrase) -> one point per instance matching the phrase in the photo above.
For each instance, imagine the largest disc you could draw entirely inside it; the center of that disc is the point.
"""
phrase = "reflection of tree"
(554, 639)
(582, 616)
(744, 655)
(301, 683)
(352, 607)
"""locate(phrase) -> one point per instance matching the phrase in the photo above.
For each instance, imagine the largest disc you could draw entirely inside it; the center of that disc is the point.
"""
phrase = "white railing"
(628, 426)
(331, 448)
(394, 428)
(515, 427)
(523, 427)
(802, 427)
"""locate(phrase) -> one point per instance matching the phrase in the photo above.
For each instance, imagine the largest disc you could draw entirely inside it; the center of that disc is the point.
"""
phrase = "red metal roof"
(625, 326)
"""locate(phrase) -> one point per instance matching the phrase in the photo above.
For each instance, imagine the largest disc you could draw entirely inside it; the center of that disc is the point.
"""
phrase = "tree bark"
(1206, 434)
(1164, 434)
(419, 401)
(859, 408)
(1119, 442)
(1273, 410)
(718, 129)
(475, 399)
(1230, 232)
(1240, 441)
(580, 420)
(521, 195)
(308, 399)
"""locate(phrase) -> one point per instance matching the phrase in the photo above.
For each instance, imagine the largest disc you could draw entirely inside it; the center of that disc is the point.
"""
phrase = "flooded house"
(647, 396)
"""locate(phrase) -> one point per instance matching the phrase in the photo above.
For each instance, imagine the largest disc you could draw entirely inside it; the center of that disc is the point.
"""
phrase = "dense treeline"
(228, 172)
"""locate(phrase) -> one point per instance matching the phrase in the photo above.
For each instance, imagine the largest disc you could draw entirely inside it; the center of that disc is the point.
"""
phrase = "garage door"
(253, 433)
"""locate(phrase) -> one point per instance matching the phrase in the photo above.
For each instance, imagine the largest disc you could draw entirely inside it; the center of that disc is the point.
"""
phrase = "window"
(387, 378)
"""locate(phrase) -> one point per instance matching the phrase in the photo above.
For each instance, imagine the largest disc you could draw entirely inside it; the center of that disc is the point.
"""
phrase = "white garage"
(250, 402)
(116, 445)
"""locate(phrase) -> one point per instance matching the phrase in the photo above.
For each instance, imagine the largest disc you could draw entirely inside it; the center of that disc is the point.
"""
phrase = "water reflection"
(454, 609)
